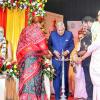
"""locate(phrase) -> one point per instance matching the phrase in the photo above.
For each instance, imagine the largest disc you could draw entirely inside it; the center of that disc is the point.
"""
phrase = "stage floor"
(70, 98)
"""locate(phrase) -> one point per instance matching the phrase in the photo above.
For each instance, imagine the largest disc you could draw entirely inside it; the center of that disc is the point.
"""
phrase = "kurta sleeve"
(94, 46)
(95, 37)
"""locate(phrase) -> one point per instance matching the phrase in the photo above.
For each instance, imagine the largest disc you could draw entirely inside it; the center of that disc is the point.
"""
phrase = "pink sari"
(80, 85)
(31, 47)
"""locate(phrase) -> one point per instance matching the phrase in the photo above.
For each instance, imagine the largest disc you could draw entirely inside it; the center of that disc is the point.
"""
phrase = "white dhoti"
(96, 93)
(2, 87)
(95, 77)
(47, 86)
(94, 48)
(95, 73)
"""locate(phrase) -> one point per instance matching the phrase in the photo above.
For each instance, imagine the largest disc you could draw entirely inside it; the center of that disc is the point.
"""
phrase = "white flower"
(53, 70)
(40, 8)
(33, 3)
(45, 70)
(47, 61)
(36, 13)
(20, 7)
(14, 4)
(8, 1)
(11, 70)
(48, 68)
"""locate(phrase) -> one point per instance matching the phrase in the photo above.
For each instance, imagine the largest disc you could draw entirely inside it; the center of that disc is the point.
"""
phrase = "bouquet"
(48, 73)
(9, 68)
(48, 69)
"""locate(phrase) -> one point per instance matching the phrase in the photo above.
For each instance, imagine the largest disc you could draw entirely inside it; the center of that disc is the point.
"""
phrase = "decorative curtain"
(26, 17)
(3, 17)
(15, 24)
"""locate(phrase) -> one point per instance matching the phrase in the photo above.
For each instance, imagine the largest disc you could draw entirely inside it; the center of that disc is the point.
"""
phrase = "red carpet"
(70, 98)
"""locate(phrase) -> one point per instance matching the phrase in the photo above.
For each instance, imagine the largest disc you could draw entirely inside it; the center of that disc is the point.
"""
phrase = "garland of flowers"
(22, 4)
(36, 6)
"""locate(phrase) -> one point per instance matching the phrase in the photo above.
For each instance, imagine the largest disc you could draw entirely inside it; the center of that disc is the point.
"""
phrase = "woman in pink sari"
(31, 47)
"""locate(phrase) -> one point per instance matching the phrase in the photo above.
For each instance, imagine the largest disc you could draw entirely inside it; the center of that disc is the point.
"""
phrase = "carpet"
(53, 98)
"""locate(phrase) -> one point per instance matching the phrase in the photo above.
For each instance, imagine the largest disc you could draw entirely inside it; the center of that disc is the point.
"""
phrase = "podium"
(2, 87)
(8, 89)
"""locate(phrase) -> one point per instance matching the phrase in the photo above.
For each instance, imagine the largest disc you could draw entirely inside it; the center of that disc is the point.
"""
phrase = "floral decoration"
(36, 6)
(48, 69)
(9, 68)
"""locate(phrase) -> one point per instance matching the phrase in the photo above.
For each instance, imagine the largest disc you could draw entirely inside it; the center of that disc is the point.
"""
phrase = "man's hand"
(65, 53)
(81, 53)
(57, 54)
(48, 56)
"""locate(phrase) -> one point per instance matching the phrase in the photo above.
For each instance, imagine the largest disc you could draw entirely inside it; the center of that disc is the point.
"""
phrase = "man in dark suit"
(59, 41)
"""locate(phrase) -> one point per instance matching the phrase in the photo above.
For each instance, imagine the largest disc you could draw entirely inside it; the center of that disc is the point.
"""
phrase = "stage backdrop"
(74, 27)
(48, 19)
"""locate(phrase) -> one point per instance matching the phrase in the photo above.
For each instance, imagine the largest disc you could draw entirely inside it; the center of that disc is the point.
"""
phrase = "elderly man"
(59, 41)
